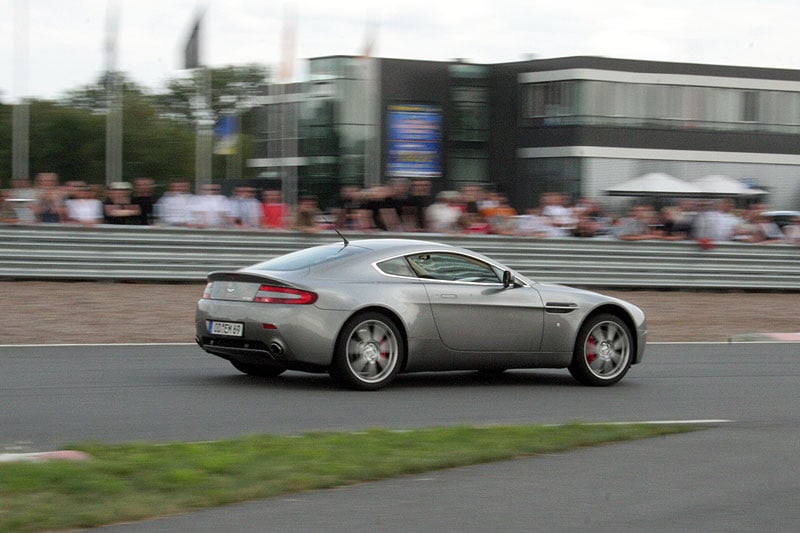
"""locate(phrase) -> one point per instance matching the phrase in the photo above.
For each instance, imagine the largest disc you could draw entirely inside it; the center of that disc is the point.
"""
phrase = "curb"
(59, 455)
(766, 337)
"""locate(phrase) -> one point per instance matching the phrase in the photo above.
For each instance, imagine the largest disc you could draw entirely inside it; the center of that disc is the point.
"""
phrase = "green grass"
(136, 481)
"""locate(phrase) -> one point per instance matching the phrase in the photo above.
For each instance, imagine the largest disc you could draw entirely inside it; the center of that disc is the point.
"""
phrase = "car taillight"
(207, 291)
(269, 294)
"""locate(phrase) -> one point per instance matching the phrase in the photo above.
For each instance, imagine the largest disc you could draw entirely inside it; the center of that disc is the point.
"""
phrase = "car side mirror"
(508, 279)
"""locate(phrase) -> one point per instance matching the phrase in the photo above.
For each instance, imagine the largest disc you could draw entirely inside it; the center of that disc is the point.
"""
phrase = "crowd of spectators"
(400, 206)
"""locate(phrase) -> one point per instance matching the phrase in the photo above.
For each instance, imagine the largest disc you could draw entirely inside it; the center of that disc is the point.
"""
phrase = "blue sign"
(414, 141)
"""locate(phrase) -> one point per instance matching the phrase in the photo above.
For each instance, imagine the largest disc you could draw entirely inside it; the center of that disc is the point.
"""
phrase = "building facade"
(577, 125)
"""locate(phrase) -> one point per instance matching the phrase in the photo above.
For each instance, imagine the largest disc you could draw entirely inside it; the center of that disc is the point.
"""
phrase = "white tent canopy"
(656, 184)
(659, 184)
(718, 185)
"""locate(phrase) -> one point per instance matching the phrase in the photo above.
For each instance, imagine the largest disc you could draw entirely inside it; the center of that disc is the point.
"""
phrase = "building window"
(608, 103)
(550, 101)
(750, 106)
(471, 114)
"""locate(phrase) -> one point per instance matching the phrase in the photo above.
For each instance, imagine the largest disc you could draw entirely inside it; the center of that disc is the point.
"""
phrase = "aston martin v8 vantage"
(366, 310)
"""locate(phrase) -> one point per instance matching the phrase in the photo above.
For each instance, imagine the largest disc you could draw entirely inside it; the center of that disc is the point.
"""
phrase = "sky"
(52, 46)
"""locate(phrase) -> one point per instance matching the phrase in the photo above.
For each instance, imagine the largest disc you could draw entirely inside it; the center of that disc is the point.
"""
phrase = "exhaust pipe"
(276, 349)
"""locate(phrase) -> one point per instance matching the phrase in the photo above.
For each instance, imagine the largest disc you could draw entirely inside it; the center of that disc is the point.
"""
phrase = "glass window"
(750, 106)
(452, 267)
(309, 257)
(471, 116)
(551, 99)
(397, 267)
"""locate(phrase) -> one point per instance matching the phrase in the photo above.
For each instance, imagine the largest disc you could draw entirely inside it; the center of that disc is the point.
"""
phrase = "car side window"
(397, 267)
(452, 267)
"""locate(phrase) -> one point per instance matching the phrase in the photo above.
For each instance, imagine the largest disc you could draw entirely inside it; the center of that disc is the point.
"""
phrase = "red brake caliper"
(591, 355)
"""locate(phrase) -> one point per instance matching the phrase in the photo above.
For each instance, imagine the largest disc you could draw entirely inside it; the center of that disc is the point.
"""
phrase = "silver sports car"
(367, 310)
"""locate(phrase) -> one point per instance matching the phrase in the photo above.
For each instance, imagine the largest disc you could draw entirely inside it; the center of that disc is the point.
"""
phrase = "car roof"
(781, 213)
(400, 245)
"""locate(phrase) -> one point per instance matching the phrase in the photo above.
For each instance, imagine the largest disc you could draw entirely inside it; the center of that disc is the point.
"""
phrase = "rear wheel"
(602, 354)
(264, 371)
(368, 352)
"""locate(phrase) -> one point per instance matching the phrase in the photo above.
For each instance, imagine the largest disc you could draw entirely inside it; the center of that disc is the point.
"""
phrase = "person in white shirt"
(174, 207)
(84, 208)
(443, 215)
(244, 209)
(210, 209)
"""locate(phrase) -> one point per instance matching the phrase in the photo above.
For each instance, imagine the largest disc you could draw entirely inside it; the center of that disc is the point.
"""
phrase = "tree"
(231, 88)
(67, 136)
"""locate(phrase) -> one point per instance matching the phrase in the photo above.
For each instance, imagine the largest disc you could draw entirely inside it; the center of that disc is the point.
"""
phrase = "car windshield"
(309, 257)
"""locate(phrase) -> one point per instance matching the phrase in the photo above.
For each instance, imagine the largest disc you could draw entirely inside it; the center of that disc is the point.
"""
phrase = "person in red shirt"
(274, 213)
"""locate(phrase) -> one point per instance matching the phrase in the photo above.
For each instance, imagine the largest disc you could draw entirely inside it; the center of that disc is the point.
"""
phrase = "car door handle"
(448, 296)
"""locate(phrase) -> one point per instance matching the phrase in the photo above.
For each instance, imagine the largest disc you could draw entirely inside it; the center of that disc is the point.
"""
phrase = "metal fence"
(119, 253)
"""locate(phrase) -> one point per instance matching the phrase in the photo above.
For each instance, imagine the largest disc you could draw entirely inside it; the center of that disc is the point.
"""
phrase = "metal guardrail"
(134, 253)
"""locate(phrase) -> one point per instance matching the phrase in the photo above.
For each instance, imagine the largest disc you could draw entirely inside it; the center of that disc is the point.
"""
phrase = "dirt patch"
(40, 312)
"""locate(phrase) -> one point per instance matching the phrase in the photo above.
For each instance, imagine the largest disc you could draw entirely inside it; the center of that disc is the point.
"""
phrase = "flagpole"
(114, 98)
(20, 118)
(204, 132)
(202, 107)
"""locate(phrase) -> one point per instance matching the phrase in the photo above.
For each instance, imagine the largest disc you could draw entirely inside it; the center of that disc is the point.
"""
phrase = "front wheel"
(602, 354)
(368, 352)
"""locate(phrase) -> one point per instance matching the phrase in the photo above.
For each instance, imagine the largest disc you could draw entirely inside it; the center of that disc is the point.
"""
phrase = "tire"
(603, 351)
(262, 371)
(369, 352)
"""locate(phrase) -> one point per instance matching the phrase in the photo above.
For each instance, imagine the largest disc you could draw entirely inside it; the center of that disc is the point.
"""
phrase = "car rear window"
(309, 257)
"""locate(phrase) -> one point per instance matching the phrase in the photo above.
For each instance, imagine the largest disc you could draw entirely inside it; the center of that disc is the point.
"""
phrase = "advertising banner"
(414, 141)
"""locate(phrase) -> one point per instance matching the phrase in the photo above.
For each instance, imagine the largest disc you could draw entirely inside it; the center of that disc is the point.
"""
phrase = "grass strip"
(136, 481)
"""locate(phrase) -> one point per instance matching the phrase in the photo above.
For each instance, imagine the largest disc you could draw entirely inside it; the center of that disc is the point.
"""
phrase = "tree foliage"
(67, 136)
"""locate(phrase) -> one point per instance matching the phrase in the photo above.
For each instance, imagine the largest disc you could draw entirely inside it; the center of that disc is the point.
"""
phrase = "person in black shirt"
(417, 203)
(118, 208)
(143, 197)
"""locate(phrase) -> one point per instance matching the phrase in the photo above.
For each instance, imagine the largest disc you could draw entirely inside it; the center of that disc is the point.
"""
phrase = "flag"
(370, 37)
(226, 135)
(112, 31)
(287, 44)
(191, 53)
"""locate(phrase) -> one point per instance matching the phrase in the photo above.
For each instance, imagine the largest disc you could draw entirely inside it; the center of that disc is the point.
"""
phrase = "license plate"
(230, 329)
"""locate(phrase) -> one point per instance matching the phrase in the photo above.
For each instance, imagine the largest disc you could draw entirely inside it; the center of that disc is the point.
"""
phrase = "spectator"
(308, 214)
(143, 197)
(765, 231)
(534, 224)
(347, 211)
(7, 213)
(49, 205)
(500, 215)
(637, 225)
(590, 220)
(210, 208)
(84, 208)
(676, 222)
(792, 231)
(245, 209)
(380, 206)
(729, 221)
(118, 208)
(418, 202)
(561, 217)
(274, 213)
(22, 199)
(399, 204)
(174, 207)
(443, 215)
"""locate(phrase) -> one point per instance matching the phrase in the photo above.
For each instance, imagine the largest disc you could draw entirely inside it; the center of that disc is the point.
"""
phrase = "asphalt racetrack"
(740, 474)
